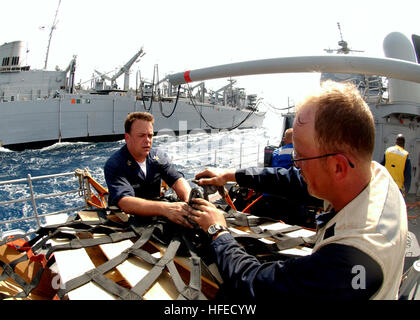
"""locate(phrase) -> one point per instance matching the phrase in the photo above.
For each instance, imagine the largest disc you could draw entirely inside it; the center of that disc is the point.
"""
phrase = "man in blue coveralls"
(282, 157)
(293, 212)
(133, 174)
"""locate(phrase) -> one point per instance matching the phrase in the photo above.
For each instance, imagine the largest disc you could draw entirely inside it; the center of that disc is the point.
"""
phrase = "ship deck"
(413, 218)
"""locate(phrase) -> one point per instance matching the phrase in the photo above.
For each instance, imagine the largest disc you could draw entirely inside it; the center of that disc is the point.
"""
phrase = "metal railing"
(238, 157)
(34, 197)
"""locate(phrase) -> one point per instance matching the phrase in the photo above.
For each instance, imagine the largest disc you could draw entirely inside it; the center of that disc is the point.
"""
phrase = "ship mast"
(51, 33)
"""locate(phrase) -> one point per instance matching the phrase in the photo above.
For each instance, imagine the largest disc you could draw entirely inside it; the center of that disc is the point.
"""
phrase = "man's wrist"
(164, 208)
(219, 234)
(215, 229)
(229, 176)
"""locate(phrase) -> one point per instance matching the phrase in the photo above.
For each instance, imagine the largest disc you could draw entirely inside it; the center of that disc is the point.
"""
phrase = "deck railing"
(35, 196)
(238, 156)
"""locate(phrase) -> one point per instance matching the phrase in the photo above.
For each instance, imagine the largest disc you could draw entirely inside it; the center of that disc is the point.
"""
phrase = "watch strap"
(218, 228)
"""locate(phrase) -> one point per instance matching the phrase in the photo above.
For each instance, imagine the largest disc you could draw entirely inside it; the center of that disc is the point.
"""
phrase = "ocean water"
(190, 154)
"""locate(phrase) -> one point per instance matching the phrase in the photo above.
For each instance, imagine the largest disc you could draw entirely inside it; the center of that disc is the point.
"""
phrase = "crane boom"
(128, 65)
(126, 69)
(388, 67)
(123, 70)
(103, 75)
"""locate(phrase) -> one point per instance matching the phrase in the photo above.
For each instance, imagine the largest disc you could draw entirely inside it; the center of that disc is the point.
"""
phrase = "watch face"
(213, 229)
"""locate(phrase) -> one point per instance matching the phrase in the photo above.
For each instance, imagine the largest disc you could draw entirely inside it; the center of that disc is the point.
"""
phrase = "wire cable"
(194, 105)
(176, 104)
(216, 128)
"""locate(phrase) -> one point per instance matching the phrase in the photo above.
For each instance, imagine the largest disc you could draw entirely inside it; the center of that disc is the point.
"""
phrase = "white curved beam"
(387, 67)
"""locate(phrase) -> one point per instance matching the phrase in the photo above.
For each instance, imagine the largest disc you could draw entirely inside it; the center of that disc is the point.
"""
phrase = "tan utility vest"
(395, 158)
(374, 222)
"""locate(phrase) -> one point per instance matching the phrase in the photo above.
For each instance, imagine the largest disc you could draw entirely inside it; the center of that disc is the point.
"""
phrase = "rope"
(176, 103)
(194, 105)
(151, 98)
(213, 127)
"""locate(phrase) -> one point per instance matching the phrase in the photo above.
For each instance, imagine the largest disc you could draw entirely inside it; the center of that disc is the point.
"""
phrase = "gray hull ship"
(40, 107)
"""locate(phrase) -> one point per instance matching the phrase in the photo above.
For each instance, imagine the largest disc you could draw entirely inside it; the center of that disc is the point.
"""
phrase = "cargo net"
(156, 242)
(176, 262)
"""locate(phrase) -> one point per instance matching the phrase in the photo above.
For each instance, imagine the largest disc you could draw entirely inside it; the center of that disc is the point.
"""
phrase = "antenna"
(339, 29)
(51, 33)
(344, 48)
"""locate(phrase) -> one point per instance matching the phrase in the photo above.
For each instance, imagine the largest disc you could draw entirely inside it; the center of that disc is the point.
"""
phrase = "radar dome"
(397, 46)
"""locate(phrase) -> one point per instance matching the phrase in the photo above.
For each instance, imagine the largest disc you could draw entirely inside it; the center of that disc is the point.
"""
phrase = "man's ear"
(340, 166)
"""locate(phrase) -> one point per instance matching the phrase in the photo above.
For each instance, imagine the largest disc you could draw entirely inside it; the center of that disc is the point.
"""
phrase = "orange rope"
(251, 204)
(229, 202)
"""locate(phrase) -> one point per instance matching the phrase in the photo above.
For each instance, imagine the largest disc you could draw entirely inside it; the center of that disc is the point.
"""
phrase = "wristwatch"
(215, 229)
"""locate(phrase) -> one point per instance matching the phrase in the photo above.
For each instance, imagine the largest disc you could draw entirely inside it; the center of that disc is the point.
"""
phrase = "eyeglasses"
(294, 160)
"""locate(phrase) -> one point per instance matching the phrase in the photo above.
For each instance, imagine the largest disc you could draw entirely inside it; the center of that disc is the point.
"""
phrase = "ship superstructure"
(395, 103)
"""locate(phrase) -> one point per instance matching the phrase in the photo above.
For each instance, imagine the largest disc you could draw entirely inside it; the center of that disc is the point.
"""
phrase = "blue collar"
(323, 218)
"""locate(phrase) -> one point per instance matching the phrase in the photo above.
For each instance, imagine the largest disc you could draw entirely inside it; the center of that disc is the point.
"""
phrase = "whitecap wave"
(59, 145)
(2, 149)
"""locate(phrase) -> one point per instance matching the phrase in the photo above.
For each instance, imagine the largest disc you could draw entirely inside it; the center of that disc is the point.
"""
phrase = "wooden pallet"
(75, 262)
(128, 273)
(26, 270)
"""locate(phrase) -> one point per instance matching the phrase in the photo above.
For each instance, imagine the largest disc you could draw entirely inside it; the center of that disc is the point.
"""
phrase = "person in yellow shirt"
(397, 161)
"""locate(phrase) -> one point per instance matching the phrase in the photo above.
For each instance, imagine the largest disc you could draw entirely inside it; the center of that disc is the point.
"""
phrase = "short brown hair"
(137, 116)
(400, 140)
(343, 121)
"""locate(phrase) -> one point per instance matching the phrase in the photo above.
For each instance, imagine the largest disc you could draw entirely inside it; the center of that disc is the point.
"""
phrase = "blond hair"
(343, 121)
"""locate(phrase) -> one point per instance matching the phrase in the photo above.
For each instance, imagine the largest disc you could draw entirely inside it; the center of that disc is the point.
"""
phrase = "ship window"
(5, 61)
(15, 61)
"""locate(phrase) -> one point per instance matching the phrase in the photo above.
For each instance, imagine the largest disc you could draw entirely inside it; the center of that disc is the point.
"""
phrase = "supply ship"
(42, 107)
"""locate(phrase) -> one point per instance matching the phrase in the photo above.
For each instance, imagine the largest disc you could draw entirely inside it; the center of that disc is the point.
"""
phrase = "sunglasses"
(295, 160)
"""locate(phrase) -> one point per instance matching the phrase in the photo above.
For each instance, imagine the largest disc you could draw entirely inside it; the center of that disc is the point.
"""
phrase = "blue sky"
(188, 34)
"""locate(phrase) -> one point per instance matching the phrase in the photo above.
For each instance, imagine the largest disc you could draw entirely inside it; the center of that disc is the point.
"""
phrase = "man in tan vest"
(362, 233)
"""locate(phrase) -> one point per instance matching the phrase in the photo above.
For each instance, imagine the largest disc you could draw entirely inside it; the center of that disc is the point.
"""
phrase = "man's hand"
(174, 211)
(182, 189)
(215, 178)
(205, 214)
(178, 212)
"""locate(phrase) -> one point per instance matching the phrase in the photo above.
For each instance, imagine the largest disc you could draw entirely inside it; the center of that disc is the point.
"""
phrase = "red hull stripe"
(187, 76)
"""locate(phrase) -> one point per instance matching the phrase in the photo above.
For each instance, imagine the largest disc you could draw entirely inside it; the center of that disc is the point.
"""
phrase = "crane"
(123, 70)
(72, 69)
(214, 95)
(201, 91)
